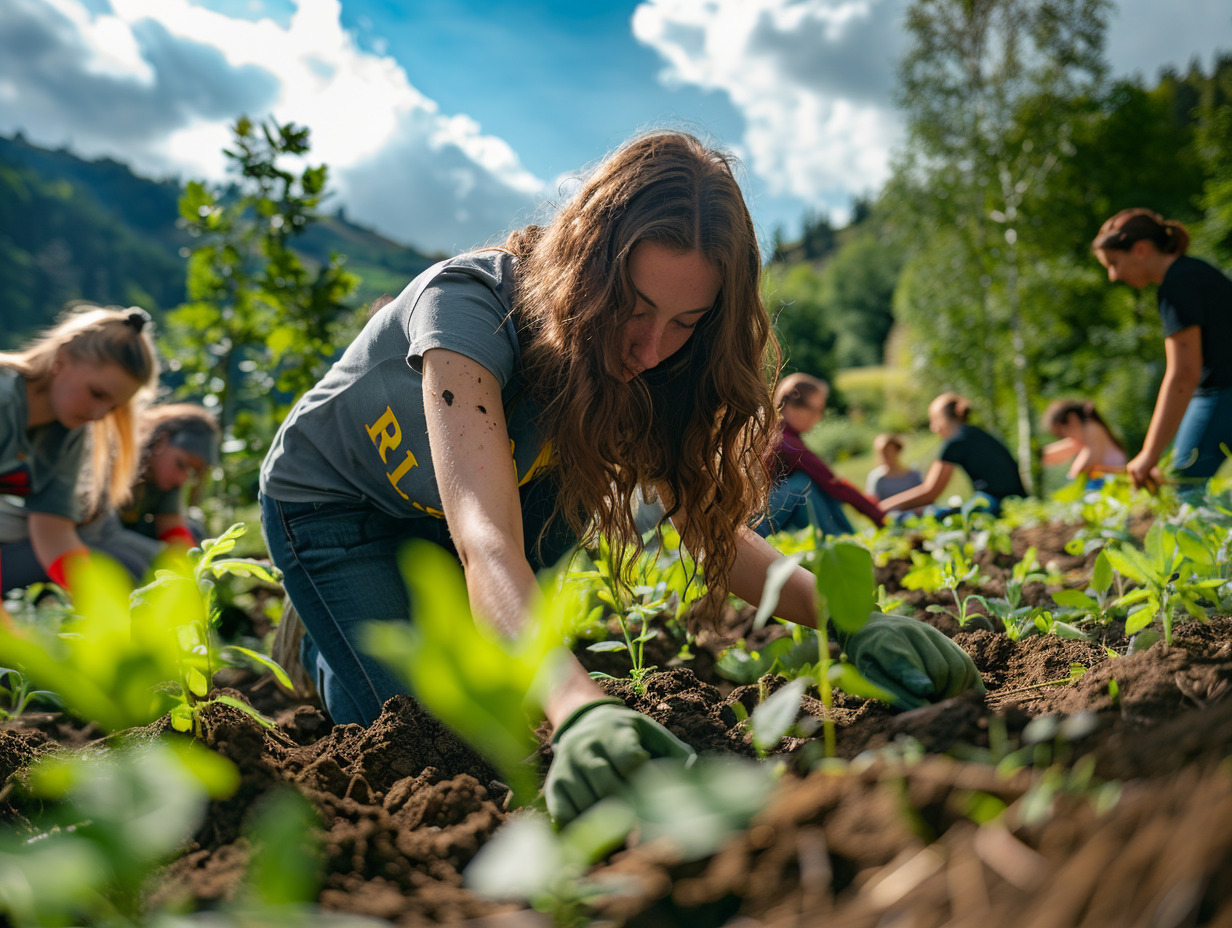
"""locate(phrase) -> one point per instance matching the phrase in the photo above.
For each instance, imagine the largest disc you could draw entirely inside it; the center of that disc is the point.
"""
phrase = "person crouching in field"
(507, 404)
(1083, 436)
(891, 476)
(76, 389)
(181, 444)
(989, 464)
(805, 491)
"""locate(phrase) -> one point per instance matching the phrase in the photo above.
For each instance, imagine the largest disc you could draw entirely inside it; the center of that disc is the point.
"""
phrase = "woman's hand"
(597, 749)
(911, 660)
(1143, 472)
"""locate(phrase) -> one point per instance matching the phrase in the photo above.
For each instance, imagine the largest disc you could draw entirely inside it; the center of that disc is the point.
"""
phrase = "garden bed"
(1121, 817)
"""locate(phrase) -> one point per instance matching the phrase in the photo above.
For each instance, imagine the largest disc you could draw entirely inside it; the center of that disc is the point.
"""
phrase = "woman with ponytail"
(1194, 406)
(992, 469)
(78, 389)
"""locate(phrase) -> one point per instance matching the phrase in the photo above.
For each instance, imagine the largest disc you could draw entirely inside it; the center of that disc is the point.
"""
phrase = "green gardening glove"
(597, 749)
(911, 660)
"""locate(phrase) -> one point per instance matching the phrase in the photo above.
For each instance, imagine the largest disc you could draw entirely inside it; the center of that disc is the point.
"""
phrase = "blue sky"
(447, 122)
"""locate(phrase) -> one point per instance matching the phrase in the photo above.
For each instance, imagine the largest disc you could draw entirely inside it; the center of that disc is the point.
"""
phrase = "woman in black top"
(989, 464)
(1140, 247)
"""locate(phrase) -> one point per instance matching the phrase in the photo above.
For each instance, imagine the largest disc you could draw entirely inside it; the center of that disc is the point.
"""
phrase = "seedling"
(774, 716)
(634, 607)
(110, 821)
(844, 584)
(1096, 602)
(186, 588)
(125, 658)
(16, 694)
(789, 656)
(529, 861)
(1167, 571)
(486, 689)
(692, 810)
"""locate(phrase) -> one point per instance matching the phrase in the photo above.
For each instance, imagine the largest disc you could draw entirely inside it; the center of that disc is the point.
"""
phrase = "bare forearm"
(502, 588)
(1175, 393)
(908, 499)
(798, 598)
(52, 537)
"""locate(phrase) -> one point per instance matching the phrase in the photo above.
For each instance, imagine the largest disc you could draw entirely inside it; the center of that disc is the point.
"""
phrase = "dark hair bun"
(137, 319)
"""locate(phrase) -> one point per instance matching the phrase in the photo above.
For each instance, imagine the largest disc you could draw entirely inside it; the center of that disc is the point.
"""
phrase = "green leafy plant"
(486, 689)
(661, 582)
(788, 656)
(259, 325)
(124, 658)
(692, 810)
(109, 822)
(775, 715)
(1169, 571)
(1095, 603)
(528, 860)
(16, 693)
(954, 569)
(187, 590)
(844, 584)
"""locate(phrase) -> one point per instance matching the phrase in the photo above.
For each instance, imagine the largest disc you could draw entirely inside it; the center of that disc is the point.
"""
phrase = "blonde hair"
(696, 426)
(100, 336)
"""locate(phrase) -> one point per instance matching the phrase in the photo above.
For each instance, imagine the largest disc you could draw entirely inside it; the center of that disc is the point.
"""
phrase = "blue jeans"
(797, 502)
(339, 566)
(1207, 423)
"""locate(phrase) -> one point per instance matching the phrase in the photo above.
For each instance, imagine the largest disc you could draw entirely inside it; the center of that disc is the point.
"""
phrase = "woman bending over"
(1194, 406)
(507, 404)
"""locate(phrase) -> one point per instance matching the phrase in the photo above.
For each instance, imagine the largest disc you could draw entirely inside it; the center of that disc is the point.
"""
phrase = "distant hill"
(72, 229)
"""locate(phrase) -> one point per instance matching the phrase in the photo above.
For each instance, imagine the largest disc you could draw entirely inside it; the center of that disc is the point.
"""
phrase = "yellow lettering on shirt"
(542, 461)
(385, 433)
(397, 475)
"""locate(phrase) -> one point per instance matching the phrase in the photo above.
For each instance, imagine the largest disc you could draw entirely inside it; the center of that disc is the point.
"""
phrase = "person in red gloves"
(181, 443)
(806, 492)
(75, 392)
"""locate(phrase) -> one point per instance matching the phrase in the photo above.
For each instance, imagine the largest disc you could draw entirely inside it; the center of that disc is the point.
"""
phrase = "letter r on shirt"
(385, 433)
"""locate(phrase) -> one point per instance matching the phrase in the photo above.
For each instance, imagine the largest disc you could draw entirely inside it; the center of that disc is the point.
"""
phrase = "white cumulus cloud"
(813, 80)
(157, 83)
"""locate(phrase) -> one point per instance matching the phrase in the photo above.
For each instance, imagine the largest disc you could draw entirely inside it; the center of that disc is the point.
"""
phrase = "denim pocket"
(323, 525)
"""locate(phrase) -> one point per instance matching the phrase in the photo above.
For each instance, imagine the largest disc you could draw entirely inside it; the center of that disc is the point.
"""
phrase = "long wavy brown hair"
(696, 427)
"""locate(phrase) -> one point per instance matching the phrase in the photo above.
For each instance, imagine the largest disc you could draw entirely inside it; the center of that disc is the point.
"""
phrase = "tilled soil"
(889, 837)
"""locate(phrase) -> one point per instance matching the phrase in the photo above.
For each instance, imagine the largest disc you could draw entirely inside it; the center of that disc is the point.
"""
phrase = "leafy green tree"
(795, 297)
(259, 326)
(1214, 148)
(989, 88)
(859, 293)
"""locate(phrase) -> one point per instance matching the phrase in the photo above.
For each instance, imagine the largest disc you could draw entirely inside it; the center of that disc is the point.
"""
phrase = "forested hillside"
(73, 229)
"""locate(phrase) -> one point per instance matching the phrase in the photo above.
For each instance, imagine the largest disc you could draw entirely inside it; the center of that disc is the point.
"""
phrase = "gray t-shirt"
(360, 434)
(880, 485)
(38, 464)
